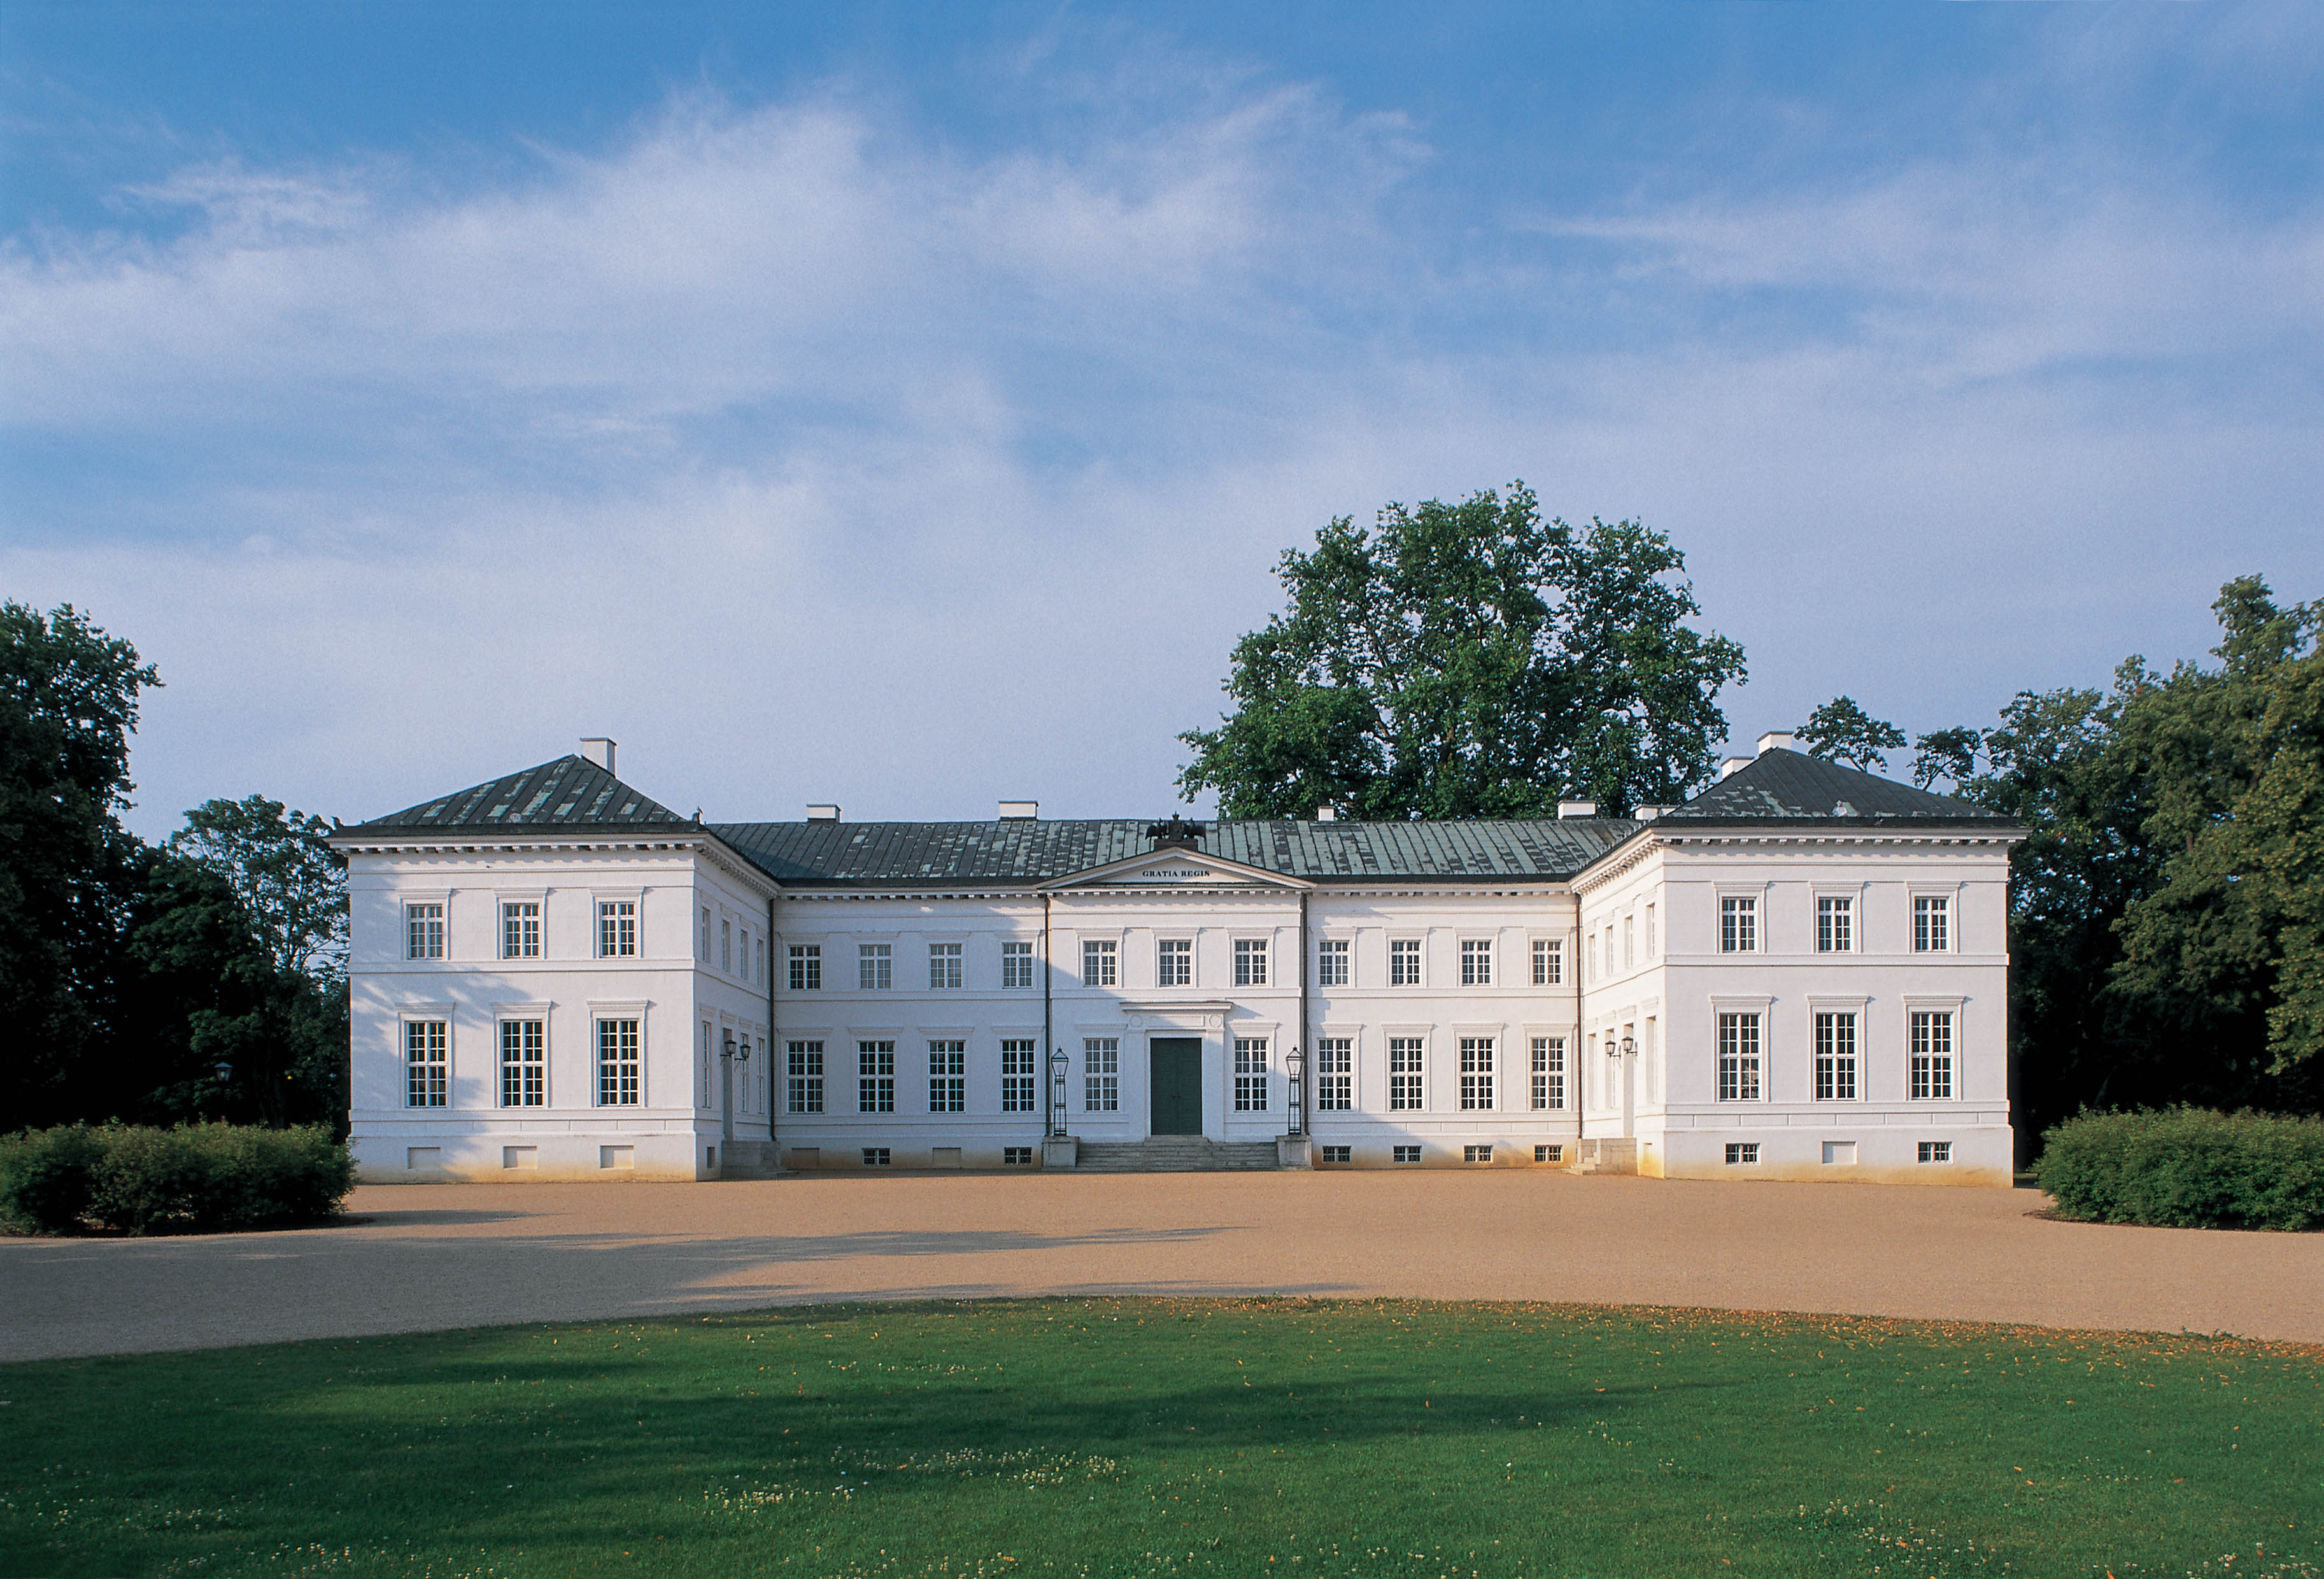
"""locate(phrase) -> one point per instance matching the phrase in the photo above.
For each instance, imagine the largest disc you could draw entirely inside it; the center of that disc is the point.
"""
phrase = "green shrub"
(195, 1179)
(2186, 1167)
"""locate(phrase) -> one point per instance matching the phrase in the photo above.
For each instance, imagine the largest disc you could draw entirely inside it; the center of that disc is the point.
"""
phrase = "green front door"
(1178, 1066)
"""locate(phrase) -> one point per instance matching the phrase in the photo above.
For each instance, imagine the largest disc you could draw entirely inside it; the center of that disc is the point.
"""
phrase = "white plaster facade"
(794, 995)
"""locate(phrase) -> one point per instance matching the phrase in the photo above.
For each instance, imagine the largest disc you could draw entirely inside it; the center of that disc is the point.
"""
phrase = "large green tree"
(1469, 659)
(68, 697)
(1840, 731)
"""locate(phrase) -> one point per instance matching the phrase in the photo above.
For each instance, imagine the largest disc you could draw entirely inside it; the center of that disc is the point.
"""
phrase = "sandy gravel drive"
(464, 1255)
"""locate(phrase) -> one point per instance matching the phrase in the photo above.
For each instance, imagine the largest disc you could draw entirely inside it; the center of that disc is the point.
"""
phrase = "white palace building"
(1800, 974)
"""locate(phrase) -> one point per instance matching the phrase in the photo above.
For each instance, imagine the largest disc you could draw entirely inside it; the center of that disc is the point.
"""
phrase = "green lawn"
(1166, 1437)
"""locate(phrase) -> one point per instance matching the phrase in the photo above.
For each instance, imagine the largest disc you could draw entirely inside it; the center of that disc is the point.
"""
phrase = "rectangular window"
(1335, 1074)
(943, 965)
(423, 931)
(1251, 962)
(617, 929)
(1476, 1072)
(1548, 961)
(1250, 1075)
(1835, 925)
(1549, 1154)
(762, 962)
(1931, 930)
(524, 1063)
(1020, 1079)
(806, 967)
(1332, 963)
(1936, 1151)
(1932, 1049)
(620, 1074)
(1650, 931)
(1097, 962)
(1016, 1157)
(427, 1065)
(1476, 1153)
(1835, 1057)
(1627, 938)
(947, 1076)
(726, 947)
(520, 930)
(1404, 963)
(804, 1073)
(1738, 1058)
(1407, 1153)
(1476, 962)
(875, 1077)
(1016, 965)
(875, 966)
(1102, 1075)
(702, 948)
(1339, 1153)
(1174, 963)
(702, 1090)
(1738, 926)
(1548, 1072)
(1743, 1152)
(1406, 1072)
(877, 1156)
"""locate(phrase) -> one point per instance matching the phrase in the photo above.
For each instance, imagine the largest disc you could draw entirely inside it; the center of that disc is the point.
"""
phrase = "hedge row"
(2186, 1167)
(195, 1179)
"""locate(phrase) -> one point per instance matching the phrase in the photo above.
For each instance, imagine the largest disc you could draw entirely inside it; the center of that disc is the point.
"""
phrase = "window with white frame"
(943, 965)
(1932, 923)
(1250, 1074)
(1745, 1153)
(726, 947)
(1936, 1151)
(1835, 1056)
(803, 1078)
(1332, 961)
(1251, 962)
(1019, 1084)
(1405, 1153)
(426, 1063)
(1929, 1039)
(702, 945)
(617, 929)
(1476, 962)
(1174, 962)
(423, 931)
(1738, 924)
(1102, 1074)
(806, 967)
(1016, 965)
(1335, 1074)
(1404, 962)
(1476, 1072)
(1650, 931)
(1835, 923)
(1590, 971)
(1738, 1058)
(762, 962)
(1548, 961)
(1628, 939)
(524, 1063)
(1548, 1073)
(1407, 1057)
(875, 1077)
(702, 1086)
(1098, 962)
(947, 1076)
(875, 966)
(621, 1066)
(521, 930)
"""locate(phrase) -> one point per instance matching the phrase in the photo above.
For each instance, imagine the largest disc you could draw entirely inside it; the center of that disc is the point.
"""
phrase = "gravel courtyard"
(462, 1255)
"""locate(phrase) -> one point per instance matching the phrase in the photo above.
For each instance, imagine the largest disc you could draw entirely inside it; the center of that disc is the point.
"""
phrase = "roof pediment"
(1175, 868)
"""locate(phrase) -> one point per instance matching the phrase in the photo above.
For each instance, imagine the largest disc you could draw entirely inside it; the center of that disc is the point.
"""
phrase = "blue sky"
(906, 405)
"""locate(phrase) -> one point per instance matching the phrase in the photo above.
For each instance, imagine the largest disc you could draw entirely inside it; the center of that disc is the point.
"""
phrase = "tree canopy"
(1469, 659)
(1841, 731)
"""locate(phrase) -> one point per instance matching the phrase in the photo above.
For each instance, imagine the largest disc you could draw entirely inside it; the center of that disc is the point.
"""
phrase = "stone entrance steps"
(1611, 1157)
(1176, 1154)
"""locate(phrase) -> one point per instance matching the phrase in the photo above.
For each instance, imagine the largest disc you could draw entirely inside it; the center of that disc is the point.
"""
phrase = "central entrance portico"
(1177, 1072)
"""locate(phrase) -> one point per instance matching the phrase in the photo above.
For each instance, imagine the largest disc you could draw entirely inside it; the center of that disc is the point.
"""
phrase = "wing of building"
(1800, 974)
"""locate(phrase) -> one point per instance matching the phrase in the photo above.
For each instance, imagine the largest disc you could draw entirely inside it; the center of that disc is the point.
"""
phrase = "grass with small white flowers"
(1139, 1437)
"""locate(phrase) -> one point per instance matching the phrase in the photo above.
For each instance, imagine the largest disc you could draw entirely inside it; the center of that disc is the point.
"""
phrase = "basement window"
(876, 1157)
(1745, 1153)
(1407, 1154)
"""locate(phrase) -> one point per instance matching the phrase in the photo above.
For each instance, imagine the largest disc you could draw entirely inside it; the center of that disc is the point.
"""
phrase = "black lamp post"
(1294, 1065)
(1057, 1094)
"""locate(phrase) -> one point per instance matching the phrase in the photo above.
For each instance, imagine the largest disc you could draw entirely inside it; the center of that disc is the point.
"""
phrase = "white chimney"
(1019, 810)
(1730, 764)
(1566, 808)
(1778, 740)
(823, 814)
(599, 751)
(1648, 813)
(1327, 814)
